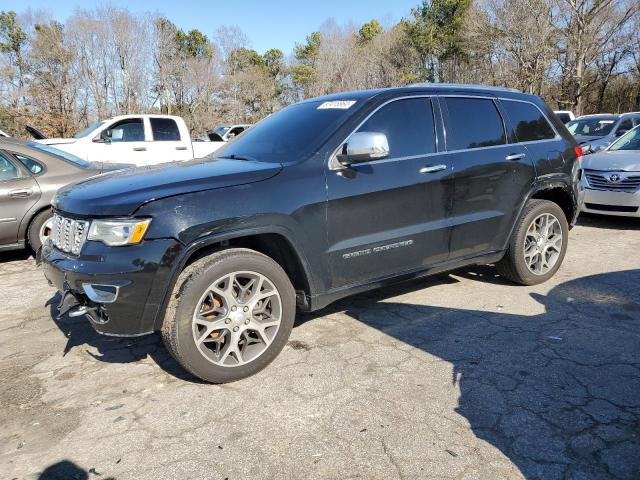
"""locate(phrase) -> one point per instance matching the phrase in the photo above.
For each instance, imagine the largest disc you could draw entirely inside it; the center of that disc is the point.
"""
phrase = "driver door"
(124, 142)
(389, 216)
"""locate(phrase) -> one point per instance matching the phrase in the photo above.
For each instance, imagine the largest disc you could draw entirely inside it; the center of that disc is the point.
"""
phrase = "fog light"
(101, 293)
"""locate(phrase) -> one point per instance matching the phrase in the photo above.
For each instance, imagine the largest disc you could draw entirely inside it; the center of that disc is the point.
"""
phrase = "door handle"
(181, 148)
(433, 169)
(139, 149)
(21, 193)
(515, 156)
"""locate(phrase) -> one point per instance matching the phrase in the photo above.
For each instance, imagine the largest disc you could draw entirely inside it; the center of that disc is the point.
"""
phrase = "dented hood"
(122, 192)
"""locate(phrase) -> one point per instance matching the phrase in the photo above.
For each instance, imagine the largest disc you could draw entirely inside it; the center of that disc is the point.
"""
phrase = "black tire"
(177, 327)
(513, 265)
(33, 234)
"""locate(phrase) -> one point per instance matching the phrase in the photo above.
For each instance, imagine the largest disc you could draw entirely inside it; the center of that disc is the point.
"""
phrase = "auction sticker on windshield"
(340, 104)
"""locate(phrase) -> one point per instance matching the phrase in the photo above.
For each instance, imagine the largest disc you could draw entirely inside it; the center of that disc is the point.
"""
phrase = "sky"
(268, 24)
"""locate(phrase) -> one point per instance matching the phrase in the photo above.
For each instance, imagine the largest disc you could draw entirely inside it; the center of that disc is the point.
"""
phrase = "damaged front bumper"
(119, 289)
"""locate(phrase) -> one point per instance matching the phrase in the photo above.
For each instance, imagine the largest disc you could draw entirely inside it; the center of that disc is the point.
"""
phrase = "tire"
(35, 227)
(207, 287)
(513, 265)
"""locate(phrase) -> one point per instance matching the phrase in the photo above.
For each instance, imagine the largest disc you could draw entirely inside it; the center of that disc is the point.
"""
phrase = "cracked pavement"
(458, 376)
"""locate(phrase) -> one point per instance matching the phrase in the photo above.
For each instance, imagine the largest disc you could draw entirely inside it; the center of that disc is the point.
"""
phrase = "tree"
(368, 32)
(13, 39)
(435, 32)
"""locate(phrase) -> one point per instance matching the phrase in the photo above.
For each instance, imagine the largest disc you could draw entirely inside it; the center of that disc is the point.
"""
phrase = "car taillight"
(578, 150)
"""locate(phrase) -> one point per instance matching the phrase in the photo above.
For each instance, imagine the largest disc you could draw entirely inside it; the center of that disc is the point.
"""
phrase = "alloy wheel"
(543, 244)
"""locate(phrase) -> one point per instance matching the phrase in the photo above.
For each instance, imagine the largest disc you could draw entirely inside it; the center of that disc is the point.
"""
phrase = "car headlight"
(116, 233)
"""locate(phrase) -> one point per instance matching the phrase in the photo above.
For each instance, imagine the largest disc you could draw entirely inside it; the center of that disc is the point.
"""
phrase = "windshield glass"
(594, 127)
(629, 141)
(292, 133)
(221, 130)
(60, 154)
(88, 130)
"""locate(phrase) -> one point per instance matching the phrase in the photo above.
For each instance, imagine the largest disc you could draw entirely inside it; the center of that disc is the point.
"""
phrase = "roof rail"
(464, 86)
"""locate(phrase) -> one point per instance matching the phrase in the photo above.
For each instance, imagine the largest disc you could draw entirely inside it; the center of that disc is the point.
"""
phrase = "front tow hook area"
(78, 306)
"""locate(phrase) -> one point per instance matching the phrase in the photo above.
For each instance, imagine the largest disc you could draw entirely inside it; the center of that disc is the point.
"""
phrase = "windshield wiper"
(233, 156)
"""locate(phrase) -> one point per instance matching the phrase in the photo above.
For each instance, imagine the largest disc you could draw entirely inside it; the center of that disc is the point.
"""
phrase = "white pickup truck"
(135, 139)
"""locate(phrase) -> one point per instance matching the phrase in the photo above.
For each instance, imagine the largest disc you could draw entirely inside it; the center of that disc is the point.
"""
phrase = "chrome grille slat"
(600, 180)
(69, 234)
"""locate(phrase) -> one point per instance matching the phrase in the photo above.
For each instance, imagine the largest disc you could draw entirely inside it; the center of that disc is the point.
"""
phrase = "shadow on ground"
(67, 470)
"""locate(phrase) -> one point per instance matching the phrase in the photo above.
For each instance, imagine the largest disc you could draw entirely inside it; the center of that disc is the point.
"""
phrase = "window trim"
(15, 156)
(553, 127)
(335, 165)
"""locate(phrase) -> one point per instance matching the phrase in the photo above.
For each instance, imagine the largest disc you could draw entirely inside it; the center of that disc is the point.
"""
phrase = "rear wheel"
(230, 315)
(40, 229)
(538, 244)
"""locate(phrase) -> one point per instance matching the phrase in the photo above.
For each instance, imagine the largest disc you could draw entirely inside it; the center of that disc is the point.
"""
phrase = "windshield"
(60, 154)
(292, 133)
(593, 127)
(629, 141)
(221, 130)
(88, 130)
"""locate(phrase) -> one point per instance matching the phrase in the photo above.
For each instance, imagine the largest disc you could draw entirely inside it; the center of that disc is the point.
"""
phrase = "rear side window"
(8, 171)
(473, 123)
(165, 130)
(30, 164)
(408, 125)
(529, 122)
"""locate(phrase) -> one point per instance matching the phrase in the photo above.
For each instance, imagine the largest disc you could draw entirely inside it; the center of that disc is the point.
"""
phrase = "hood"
(618, 160)
(124, 191)
(56, 141)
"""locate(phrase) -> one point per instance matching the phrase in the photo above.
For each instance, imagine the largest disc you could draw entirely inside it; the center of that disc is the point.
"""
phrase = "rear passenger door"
(389, 216)
(492, 176)
(167, 144)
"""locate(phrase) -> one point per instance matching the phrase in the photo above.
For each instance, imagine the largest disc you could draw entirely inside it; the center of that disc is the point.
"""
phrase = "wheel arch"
(275, 244)
(560, 194)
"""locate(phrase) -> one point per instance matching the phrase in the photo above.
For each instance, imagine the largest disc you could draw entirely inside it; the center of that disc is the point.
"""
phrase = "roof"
(421, 87)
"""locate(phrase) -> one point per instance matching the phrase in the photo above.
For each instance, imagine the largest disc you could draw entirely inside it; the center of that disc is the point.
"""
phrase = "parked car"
(612, 178)
(30, 174)
(565, 116)
(597, 132)
(136, 139)
(376, 186)
(224, 133)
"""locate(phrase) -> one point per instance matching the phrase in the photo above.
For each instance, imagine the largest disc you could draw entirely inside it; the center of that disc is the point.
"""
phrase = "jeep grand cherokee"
(374, 187)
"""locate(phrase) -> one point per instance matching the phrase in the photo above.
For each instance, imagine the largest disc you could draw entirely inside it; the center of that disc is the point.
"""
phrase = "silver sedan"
(611, 178)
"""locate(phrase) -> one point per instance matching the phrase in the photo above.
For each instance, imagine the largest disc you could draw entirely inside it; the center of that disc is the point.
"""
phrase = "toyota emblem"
(614, 177)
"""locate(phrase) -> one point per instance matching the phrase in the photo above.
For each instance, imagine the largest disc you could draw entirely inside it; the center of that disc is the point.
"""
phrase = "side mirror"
(363, 147)
(105, 136)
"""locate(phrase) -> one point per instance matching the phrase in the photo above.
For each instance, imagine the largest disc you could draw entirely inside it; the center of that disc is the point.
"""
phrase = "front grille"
(611, 208)
(623, 182)
(69, 234)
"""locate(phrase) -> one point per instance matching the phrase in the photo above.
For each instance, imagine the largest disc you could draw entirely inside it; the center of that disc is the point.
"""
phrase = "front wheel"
(40, 229)
(538, 244)
(230, 315)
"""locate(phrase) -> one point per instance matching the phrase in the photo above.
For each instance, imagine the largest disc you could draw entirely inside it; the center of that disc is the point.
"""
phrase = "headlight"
(118, 232)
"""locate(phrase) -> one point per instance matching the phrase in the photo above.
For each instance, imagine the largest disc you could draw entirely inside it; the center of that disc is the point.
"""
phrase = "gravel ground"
(459, 376)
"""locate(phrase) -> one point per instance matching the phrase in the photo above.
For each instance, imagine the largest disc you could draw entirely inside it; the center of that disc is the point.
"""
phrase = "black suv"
(323, 199)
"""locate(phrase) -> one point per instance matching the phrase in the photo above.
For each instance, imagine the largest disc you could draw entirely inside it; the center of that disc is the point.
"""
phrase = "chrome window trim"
(553, 127)
(333, 163)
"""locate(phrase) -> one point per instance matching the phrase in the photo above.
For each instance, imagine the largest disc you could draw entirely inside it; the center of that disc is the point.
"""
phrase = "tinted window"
(564, 117)
(473, 123)
(8, 171)
(129, 130)
(31, 165)
(291, 134)
(164, 130)
(408, 125)
(529, 122)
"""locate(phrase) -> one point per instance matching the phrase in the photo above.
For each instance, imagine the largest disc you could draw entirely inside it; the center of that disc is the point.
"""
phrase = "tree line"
(580, 55)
